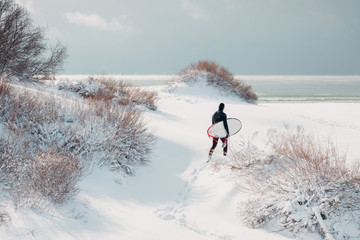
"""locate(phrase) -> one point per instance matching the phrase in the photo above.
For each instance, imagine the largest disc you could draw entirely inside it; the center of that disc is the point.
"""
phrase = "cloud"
(194, 9)
(97, 22)
(28, 4)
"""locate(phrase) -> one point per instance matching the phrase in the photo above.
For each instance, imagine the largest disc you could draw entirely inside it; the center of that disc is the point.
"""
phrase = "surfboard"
(217, 130)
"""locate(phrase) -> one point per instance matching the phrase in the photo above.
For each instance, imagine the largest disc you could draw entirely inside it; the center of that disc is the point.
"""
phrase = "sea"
(305, 88)
(270, 88)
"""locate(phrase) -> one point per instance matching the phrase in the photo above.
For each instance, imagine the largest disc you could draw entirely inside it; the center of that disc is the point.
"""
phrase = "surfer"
(218, 117)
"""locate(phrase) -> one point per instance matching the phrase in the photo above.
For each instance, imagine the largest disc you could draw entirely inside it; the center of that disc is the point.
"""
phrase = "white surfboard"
(217, 130)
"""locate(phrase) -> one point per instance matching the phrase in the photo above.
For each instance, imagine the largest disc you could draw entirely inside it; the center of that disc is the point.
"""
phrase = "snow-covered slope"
(178, 195)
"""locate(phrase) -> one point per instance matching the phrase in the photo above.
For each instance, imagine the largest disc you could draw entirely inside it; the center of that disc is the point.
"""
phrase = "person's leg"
(224, 140)
(215, 141)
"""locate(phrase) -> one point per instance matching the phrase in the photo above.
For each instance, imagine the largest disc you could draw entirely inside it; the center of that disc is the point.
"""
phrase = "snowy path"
(179, 188)
(178, 196)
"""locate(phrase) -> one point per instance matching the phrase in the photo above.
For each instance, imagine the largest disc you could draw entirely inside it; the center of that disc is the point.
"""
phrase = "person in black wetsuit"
(218, 117)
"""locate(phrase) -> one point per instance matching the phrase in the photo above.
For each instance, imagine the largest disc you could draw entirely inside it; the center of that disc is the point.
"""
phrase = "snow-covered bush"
(247, 155)
(124, 141)
(46, 141)
(54, 175)
(306, 185)
(127, 94)
(87, 89)
(107, 89)
(23, 144)
(40, 180)
(217, 76)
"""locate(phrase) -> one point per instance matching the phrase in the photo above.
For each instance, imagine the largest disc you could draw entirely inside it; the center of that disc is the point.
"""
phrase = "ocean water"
(269, 88)
(305, 88)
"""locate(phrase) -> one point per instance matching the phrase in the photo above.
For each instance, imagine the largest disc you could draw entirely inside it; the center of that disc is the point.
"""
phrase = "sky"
(248, 37)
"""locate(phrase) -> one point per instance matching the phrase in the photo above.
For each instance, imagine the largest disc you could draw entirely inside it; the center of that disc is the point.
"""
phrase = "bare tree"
(23, 52)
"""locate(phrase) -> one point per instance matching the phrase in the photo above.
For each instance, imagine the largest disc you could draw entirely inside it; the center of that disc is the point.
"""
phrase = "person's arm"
(226, 125)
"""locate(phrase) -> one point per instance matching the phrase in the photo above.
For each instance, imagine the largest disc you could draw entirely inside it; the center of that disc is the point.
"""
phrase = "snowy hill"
(177, 195)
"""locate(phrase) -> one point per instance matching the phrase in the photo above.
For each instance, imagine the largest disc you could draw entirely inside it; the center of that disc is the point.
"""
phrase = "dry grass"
(127, 141)
(54, 176)
(316, 160)
(100, 95)
(127, 94)
(113, 85)
(246, 155)
(122, 117)
(106, 89)
(304, 179)
(47, 178)
(141, 97)
(218, 72)
(219, 77)
(23, 111)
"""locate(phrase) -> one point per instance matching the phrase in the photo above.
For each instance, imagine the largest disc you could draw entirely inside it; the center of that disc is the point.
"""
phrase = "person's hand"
(227, 135)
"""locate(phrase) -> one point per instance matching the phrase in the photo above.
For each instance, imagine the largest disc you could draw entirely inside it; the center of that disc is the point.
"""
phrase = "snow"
(177, 195)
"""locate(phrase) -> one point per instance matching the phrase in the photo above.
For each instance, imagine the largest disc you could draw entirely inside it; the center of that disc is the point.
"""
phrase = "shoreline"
(269, 88)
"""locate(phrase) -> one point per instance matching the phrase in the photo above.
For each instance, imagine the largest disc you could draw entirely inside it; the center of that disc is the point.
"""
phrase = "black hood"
(221, 107)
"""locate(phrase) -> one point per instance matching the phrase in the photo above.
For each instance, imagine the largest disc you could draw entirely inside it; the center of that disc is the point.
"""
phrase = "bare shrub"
(141, 97)
(127, 143)
(128, 94)
(246, 155)
(54, 176)
(114, 86)
(306, 184)
(104, 88)
(36, 178)
(219, 77)
(29, 170)
(124, 142)
(25, 111)
(100, 95)
(321, 161)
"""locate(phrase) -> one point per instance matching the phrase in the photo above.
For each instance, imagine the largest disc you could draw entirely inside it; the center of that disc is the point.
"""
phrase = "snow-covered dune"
(178, 195)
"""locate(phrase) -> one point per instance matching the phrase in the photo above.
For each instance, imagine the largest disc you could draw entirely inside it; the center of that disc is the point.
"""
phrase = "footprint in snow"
(176, 212)
(194, 171)
(165, 214)
(168, 217)
(193, 179)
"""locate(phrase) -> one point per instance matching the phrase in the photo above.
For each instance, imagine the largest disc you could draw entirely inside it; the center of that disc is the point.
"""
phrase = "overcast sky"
(298, 37)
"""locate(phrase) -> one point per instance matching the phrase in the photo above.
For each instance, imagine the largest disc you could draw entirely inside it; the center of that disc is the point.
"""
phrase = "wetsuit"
(218, 117)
